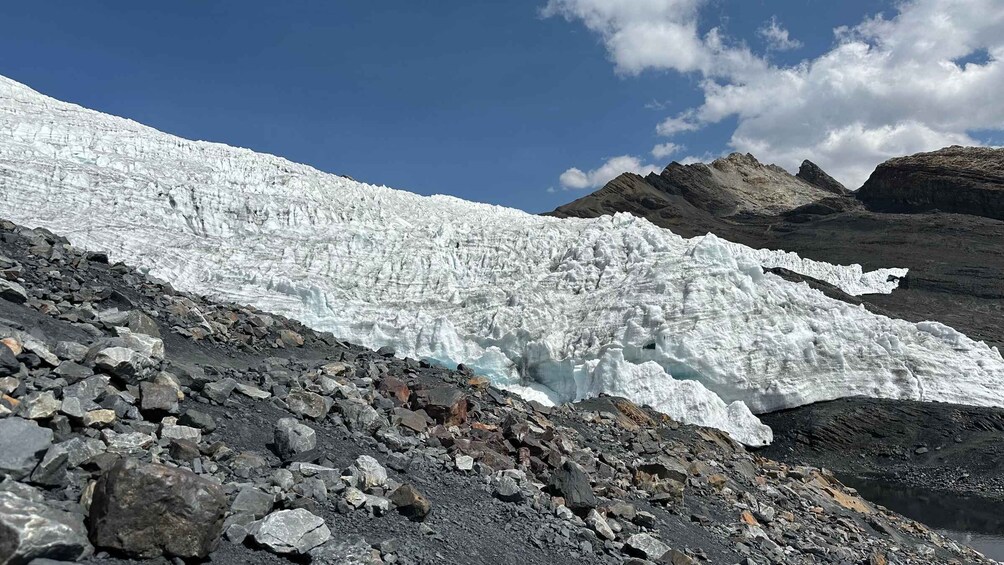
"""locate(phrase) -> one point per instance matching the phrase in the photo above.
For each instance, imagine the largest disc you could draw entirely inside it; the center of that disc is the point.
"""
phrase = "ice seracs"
(557, 309)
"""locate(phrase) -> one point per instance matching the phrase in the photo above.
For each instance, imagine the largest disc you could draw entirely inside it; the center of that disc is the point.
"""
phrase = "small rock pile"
(138, 422)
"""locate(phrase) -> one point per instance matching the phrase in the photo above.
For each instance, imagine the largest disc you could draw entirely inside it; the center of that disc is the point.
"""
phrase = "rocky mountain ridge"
(963, 180)
(733, 185)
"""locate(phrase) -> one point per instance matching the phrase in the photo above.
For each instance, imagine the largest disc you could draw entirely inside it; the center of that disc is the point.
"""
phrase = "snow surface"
(556, 309)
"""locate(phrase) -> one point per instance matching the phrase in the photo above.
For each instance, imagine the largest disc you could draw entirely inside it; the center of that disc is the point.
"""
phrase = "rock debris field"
(140, 423)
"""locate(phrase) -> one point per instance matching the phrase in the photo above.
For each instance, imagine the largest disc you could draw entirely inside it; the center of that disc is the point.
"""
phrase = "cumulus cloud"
(926, 76)
(667, 149)
(576, 179)
(777, 37)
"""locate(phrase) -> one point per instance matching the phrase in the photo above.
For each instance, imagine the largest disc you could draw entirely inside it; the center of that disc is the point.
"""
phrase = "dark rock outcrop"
(812, 174)
(960, 180)
(145, 510)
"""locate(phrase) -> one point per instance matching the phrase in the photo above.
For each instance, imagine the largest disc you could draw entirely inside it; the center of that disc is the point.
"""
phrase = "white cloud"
(664, 150)
(576, 179)
(684, 122)
(637, 32)
(888, 86)
(777, 37)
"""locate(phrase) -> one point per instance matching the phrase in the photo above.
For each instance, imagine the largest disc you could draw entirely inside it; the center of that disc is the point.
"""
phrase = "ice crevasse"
(555, 309)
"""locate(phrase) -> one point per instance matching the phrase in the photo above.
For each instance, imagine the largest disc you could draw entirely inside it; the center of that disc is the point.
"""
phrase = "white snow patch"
(556, 309)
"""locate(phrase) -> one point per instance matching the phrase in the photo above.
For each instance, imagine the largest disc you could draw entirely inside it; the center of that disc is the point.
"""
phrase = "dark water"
(977, 522)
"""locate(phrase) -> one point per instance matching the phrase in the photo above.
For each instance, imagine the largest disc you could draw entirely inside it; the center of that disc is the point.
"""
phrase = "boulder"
(146, 510)
(139, 322)
(411, 503)
(445, 404)
(307, 404)
(646, 546)
(369, 473)
(572, 483)
(157, 398)
(253, 501)
(13, 292)
(31, 530)
(22, 445)
(291, 531)
(40, 406)
(292, 438)
(122, 362)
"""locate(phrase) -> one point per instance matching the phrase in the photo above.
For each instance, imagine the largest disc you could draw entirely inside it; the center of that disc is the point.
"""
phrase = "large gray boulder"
(146, 510)
(31, 530)
(22, 445)
(291, 531)
(292, 438)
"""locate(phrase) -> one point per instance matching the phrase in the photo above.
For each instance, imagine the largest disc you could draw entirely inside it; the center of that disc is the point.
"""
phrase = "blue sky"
(489, 101)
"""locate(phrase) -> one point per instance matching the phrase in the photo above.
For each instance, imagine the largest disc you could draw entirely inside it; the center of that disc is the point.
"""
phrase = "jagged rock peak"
(956, 179)
(739, 184)
(812, 174)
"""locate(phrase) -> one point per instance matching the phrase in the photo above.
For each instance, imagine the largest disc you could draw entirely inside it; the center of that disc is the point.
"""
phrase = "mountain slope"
(556, 309)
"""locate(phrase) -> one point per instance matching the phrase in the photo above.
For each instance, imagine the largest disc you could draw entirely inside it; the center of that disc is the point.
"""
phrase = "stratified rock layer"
(961, 180)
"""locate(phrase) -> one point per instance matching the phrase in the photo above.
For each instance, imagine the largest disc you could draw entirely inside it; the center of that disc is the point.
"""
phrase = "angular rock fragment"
(571, 482)
(31, 530)
(122, 362)
(411, 503)
(292, 438)
(292, 531)
(145, 510)
(307, 404)
(368, 472)
(22, 445)
(158, 399)
(13, 292)
(646, 546)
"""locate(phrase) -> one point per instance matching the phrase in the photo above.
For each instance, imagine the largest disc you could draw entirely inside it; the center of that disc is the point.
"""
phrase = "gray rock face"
(292, 437)
(31, 530)
(571, 482)
(812, 174)
(962, 180)
(146, 510)
(13, 292)
(292, 531)
(22, 445)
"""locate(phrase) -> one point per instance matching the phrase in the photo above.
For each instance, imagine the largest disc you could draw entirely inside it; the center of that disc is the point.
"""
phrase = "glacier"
(555, 309)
